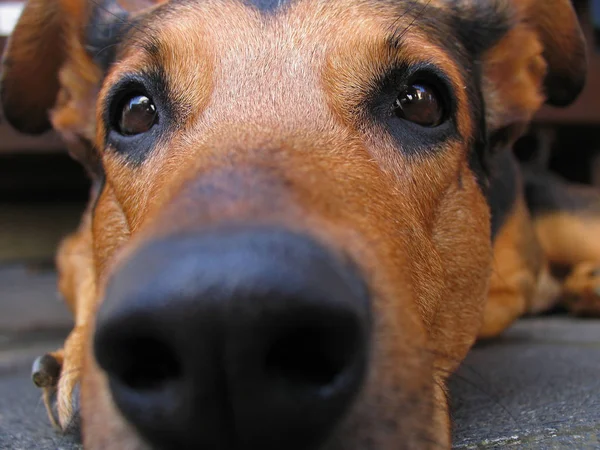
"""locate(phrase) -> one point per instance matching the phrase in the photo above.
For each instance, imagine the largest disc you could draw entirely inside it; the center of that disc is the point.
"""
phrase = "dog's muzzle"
(242, 338)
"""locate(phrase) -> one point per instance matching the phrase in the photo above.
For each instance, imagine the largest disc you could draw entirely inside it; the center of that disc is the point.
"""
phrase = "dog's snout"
(234, 339)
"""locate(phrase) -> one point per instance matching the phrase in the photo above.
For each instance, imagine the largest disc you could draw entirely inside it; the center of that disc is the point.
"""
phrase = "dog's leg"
(566, 219)
(58, 373)
(77, 284)
(581, 289)
(45, 374)
(571, 242)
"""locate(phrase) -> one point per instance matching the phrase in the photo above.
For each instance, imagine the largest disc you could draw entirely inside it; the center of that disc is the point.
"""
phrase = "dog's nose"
(236, 339)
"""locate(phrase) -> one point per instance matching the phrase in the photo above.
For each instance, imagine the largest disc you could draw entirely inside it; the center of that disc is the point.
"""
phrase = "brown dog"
(297, 208)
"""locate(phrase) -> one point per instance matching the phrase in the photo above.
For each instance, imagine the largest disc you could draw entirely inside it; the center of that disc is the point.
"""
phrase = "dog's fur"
(272, 119)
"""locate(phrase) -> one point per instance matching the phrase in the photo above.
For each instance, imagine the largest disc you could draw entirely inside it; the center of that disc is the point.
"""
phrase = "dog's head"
(291, 235)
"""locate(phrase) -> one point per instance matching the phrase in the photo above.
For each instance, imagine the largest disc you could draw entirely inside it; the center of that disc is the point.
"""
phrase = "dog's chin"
(121, 435)
(104, 427)
(393, 410)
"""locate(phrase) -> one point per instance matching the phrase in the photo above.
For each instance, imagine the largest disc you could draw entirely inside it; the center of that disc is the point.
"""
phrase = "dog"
(303, 212)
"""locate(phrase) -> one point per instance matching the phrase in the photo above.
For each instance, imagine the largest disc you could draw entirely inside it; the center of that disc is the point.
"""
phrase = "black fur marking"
(480, 152)
(546, 193)
(96, 192)
(481, 26)
(135, 149)
(264, 6)
(107, 27)
(464, 29)
(503, 187)
(268, 6)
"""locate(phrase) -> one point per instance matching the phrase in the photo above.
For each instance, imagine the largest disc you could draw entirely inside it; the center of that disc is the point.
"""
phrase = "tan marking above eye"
(420, 104)
(137, 115)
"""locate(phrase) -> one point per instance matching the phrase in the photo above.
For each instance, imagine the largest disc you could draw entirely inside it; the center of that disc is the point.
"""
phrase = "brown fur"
(518, 263)
(305, 159)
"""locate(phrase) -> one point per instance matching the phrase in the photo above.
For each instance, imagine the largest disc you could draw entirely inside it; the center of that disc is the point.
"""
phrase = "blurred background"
(43, 191)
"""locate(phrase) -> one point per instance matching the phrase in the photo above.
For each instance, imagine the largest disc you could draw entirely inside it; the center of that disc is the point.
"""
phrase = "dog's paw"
(581, 290)
(46, 370)
(58, 375)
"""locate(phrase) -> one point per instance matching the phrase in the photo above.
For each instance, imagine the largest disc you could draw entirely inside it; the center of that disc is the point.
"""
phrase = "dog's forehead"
(473, 25)
(278, 29)
(236, 41)
(461, 26)
(234, 45)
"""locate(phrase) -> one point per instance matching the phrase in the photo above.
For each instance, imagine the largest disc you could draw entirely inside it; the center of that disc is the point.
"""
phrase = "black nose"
(237, 339)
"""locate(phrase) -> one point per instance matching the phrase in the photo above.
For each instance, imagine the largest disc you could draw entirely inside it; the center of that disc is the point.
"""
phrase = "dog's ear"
(55, 59)
(541, 58)
(564, 48)
(33, 57)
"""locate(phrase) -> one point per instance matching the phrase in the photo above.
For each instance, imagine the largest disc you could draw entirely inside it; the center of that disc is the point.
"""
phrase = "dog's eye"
(420, 104)
(138, 115)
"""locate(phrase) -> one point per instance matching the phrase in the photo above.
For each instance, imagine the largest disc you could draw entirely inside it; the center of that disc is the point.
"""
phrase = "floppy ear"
(564, 49)
(54, 64)
(33, 57)
(541, 58)
(54, 58)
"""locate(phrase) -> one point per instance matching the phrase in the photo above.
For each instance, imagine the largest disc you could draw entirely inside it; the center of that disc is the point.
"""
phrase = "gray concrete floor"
(536, 388)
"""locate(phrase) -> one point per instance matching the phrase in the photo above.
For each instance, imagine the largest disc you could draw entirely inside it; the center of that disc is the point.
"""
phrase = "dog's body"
(297, 209)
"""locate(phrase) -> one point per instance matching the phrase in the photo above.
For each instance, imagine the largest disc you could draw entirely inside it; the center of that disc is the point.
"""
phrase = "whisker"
(397, 38)
(492, 397)
(393, 28)
(484, 390)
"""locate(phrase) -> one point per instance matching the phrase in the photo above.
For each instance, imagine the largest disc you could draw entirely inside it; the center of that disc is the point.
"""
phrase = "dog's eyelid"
(127, 84)
(127, 87)
(403, 76)
(429, 71)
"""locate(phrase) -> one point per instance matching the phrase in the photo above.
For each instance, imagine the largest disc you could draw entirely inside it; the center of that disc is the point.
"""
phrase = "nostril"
(254, 338)
(314, 355)
(143, 364)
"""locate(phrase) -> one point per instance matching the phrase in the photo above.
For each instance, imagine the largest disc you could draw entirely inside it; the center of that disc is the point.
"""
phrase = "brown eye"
(420, 104)
(137, 116)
